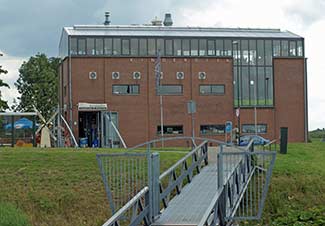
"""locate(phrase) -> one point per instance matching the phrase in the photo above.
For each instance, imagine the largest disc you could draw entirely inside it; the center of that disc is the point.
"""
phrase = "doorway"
(89, 129)
(110, 137)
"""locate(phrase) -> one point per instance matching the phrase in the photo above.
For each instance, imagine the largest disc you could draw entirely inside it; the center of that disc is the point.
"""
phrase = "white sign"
(92, 107)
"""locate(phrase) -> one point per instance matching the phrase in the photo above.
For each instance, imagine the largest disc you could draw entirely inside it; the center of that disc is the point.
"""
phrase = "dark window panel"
(212, 129)
(161, 46)
(126, 89)
(228, 47)
(90, 46)
(134, 47)
(151, 47)
(211, 48)
(125, 47)
(244, 52)
(252, 77)
(172, 129)
(269, 86)
(292, 48)
(300, 51)
(169, 47)
(212, 89)
(276, 48)
(116, 46)
(203, 47)
(108, 46)
(186, 47)
(99, 46)
(245, 86)
(250, 128)
(73, 46)
(260, 86)
(81, 46)
(177, 47)
(143, 47)
(194, 47)
(252, 52)
(219, 47)
(284, 48)
(260, 52)
(170, 90)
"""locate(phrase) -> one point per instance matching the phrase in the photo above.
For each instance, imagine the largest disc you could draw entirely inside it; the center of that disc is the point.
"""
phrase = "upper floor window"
(212, 129)
(170, 90)
(126, 89)
(212, 89)
(172, 129)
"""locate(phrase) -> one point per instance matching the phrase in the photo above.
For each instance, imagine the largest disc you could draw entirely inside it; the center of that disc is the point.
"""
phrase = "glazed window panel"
(186, 47)
(292, 48)
(268, 52)
(108, 46)
(151, 47)
(82, 46)
(126, 89)
(244, 52)
(125, 47)
(252, 52)
(116, 46)
(143, 47)
(228, 48)
(250, 128)
(212, 129)
(99, 46)
(90, 46)
(260, 52)
(211, 48)
(170, 90)
(177, 47)
(276, 48)
(300, 51)
(194, 47)
(269, 86)
(171, 129)
(284, 48)
(202, 47)
(219, 47)
(161, 46)
(245, 86)
(73, 46)
(169, 47)
(260, 86)
(212, 89)
(134, 47)
(252, 77)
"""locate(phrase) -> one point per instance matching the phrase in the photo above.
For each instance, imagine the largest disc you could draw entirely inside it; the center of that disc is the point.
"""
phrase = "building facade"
(110, 71)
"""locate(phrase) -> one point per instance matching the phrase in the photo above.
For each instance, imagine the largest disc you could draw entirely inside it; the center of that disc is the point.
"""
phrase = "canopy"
(22, 123)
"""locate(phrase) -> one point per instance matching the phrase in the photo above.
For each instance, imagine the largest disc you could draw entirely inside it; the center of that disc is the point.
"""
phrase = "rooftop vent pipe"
(107, 21)
(168, 19)
(156, 22)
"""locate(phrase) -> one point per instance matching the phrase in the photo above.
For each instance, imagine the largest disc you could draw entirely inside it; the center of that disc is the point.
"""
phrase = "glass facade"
(253, 58)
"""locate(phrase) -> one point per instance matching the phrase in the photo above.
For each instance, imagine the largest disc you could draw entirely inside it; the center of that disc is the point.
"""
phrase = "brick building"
(108, 68)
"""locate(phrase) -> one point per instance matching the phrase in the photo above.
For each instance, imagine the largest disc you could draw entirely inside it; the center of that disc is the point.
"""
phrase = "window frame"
(253, 125)
(126, 94)
(211, 133)
(170, 94)
(169, 126)
(211, 93)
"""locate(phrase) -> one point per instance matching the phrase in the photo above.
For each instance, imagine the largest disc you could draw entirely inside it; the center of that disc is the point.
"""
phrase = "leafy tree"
(38, 84)
(3, 104)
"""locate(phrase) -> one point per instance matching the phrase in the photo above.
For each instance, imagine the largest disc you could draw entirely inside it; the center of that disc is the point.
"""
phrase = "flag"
(158, 71)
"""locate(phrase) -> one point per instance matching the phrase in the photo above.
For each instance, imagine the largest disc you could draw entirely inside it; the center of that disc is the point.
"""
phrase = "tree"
(3, 104)
(38, 84)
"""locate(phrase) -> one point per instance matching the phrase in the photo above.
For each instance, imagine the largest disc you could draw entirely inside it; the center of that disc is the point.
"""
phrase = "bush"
(11, 216)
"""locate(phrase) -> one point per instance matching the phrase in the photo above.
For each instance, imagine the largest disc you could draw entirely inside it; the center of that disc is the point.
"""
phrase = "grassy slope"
(57, 188)
(64, 187)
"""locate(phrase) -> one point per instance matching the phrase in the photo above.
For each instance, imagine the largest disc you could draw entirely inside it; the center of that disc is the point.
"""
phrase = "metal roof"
(163, 31)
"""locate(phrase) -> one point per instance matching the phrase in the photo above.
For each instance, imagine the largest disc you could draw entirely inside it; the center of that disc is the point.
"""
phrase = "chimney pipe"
(168, 19)
(107, 21)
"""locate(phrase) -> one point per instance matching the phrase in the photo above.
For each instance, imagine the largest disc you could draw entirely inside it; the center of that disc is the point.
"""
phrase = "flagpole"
(161, 120)
(158, 88)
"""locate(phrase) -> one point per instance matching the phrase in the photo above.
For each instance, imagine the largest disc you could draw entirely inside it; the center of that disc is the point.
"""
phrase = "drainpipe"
(306, 100)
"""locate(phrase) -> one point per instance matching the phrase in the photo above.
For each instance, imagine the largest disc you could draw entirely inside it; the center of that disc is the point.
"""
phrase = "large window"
(170, 90)
(151, 47)
(212, 89)
(116, 46)
(125, 47)
(81, 46)
(212, 129)
(169, 47)
(99, 46)
(108, 46)
(134, 47)
(74, 46)
(177, 129)
(126, 89)
(211, 48)
(186, 47)
(90, 46)
(143, 47)
(250, 128)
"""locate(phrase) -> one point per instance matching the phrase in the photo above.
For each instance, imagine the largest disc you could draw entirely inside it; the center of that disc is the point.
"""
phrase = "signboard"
(92, 107)
(228, 127)
(191, 107)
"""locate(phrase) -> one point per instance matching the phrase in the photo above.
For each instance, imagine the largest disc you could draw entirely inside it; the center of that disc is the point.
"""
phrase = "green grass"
(11, 216)
(64, 188)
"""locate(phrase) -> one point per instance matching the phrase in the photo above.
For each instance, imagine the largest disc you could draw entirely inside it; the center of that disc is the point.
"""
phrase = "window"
(126, 89)
(260, 86)
(143, 47)
(203, 47)
(73, 46)
(250, 128)
(169, 47)
(177, 47)
(212, 129)
(219, 47)
(211, 48)
(90, 46)
(170, 129)
(228, 48)
(194, 47)
(268, 52)
(260, 52)
(170, 90)
(212, 89)
(151, 46)
(252, 52)
(284, 48)
(161, 47)
(108, 46)
(125, 47)
(99, 46)
(299, 48)
(244, 52)
(276, 48)
(81, 46)
(245, 86)
(116, 46)
(134, 47)
(292, 48)
(186, 47)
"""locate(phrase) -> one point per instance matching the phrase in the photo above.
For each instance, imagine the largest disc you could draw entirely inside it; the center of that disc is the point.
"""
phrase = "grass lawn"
(64, 188)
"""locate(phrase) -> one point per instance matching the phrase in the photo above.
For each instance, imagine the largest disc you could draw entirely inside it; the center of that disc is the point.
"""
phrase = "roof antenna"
(107, 21)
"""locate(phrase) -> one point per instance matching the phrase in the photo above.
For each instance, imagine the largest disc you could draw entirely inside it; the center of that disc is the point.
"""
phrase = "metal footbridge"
(208, 186)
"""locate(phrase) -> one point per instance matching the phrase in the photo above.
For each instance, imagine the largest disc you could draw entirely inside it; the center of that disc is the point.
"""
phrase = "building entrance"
(89, 129)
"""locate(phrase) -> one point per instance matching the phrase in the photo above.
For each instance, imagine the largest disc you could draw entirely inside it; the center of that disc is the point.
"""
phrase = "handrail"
(272, 142)
(126, 207)
(173, 167)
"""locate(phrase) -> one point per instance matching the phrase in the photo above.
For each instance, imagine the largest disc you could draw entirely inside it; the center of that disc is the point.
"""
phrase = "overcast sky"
(31, 26)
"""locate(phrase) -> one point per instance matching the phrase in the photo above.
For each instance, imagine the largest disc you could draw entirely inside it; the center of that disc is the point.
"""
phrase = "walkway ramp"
(208, 186)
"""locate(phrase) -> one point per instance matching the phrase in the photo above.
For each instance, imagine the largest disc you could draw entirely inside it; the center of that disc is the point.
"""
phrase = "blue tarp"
(22, 123)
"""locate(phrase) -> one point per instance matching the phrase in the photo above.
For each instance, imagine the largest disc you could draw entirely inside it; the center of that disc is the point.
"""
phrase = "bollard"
(284, 140)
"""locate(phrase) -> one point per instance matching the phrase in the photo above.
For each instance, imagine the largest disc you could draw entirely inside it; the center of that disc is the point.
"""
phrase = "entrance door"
(110, 138)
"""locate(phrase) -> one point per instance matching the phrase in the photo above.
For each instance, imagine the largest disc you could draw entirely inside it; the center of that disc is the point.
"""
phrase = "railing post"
(222, 199)
(155, 162)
